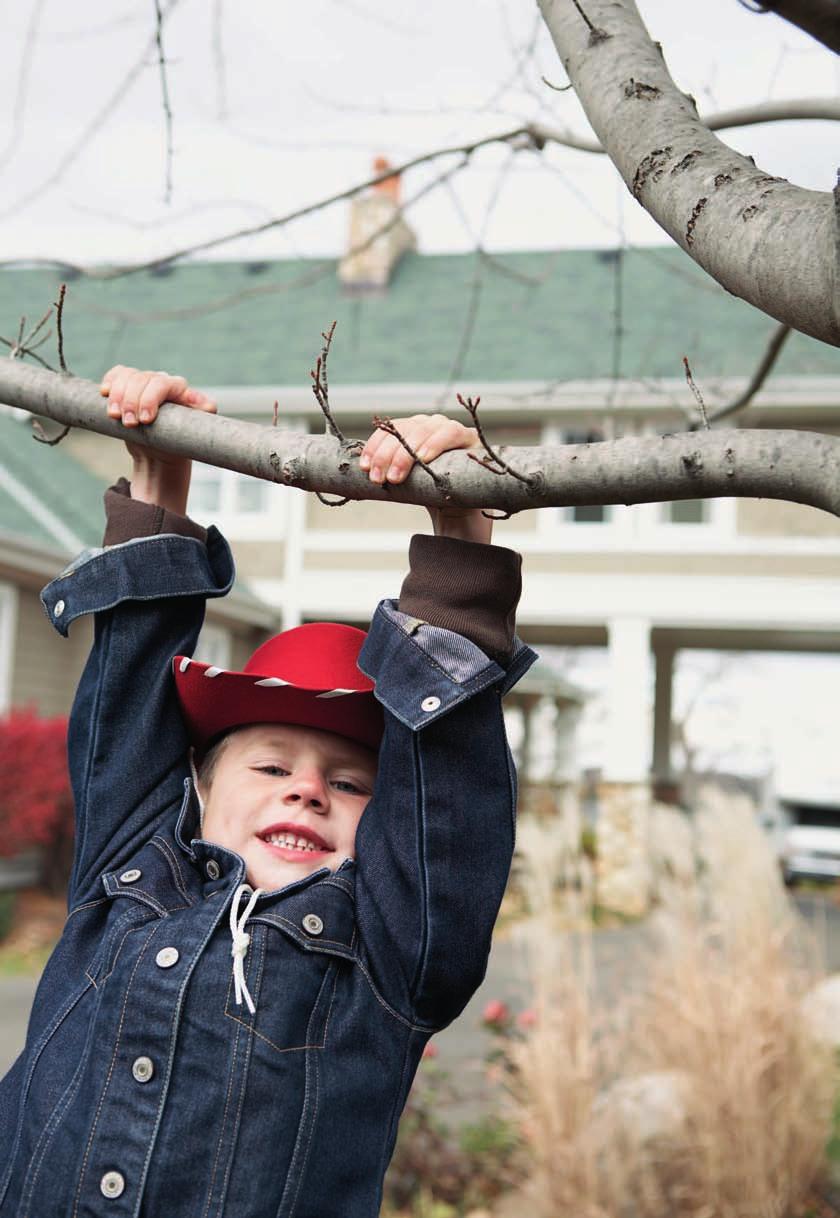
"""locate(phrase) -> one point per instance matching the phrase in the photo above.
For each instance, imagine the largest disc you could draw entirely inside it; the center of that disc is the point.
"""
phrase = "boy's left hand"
(429, 435)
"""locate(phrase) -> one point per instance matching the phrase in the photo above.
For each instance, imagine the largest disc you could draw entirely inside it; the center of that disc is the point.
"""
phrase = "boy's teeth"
(290, 842)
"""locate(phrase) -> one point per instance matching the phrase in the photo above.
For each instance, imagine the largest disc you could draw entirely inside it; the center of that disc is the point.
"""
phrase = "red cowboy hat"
(307, 676)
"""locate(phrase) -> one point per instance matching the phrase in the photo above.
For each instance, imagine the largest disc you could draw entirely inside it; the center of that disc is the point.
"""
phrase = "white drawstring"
(240, 942)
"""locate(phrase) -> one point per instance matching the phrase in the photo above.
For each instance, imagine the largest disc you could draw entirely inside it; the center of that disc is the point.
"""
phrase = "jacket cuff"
(127, 518)
(467, 587)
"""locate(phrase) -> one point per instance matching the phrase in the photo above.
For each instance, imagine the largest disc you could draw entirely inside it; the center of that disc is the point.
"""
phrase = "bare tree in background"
(769, 242)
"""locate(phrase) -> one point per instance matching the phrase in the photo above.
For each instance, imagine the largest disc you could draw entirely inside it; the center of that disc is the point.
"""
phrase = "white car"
(809, 841)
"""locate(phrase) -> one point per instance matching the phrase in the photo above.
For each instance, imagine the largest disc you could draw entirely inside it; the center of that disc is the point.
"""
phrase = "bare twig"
(103, 115)
(697, 394)
(523, 136)
(59, 313)
(340, 502)
(15, 351)
(41, 436)
(471, 406)
(388, 426)
(320, 385)
(20, 347)
(25, 61)
(556, 88)
(274, 416)
(595, 34)
(771, 354)
(219, 62)
(164, 91)
(33, 333)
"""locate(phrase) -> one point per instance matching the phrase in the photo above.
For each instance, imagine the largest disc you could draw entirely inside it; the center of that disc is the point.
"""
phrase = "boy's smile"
(288, 799)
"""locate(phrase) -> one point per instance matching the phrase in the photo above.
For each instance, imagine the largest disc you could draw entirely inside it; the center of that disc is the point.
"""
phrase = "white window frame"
(8, 630)
(269, 523)
(641, 526)
(559, 522)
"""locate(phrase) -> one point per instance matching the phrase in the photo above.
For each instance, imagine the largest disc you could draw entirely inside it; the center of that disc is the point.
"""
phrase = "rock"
(821, 1010)
(643, 1109)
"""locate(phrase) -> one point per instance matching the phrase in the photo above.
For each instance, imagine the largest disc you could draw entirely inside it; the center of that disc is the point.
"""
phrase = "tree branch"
(819, 18)
(759, 376)
(164, 93)
(803, 467)
(533, 135)
(764, 240)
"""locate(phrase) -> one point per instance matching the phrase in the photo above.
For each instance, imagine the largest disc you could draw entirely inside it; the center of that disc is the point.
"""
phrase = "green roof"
(63, 488)
(477, 319)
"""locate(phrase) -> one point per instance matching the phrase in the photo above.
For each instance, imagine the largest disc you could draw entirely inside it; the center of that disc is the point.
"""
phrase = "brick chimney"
(376, 210)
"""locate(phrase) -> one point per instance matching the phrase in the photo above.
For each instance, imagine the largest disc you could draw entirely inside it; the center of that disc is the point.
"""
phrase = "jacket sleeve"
(127, 743)
(434, 846)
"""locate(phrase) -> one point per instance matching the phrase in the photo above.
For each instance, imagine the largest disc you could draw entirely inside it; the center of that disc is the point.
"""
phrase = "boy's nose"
(310, 790)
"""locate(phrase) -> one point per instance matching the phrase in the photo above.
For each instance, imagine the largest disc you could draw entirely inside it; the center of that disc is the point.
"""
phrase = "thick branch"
(764, 240)
(803, 467)
(819, 18)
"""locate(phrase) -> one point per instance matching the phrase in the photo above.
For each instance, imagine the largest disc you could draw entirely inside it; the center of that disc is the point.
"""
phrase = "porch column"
(628, 743)
(662, 709)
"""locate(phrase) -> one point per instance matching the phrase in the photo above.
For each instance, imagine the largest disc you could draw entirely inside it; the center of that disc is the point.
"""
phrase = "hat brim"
(214, 700)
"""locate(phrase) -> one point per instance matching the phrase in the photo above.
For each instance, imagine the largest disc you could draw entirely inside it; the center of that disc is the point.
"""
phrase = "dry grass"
(702, 1095)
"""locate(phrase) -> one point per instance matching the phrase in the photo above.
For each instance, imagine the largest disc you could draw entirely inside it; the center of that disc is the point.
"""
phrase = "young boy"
(251, 967)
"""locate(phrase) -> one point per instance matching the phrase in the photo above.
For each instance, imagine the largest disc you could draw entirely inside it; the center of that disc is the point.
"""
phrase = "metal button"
(128, 877)
(166, 957)
(58, 608)
(213, 869)
(312, 924)
(430, 704)
(143, 1069)
(112, 1184)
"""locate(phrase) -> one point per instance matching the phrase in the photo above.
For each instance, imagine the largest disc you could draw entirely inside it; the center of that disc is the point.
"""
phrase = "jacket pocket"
(292, 989)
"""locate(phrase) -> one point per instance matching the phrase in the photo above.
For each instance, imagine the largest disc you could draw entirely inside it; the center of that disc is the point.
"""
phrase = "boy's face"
(288, 799)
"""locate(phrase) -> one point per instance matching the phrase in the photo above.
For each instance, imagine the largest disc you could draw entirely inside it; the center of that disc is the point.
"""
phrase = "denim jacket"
(144, 1089)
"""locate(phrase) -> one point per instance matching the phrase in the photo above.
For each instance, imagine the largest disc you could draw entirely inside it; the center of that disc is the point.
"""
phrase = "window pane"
(589, 514)
(206, 491)
(687, 511)
(250, 494)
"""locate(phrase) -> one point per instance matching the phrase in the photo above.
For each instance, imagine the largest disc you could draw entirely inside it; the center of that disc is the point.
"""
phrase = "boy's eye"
(274, 770)
(344, 784)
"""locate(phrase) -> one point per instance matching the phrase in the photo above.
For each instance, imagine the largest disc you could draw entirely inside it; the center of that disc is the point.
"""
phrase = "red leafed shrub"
(36, 804)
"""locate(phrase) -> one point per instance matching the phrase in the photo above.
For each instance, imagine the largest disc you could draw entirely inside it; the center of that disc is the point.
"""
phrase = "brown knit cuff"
(127, 518)
(467, 587)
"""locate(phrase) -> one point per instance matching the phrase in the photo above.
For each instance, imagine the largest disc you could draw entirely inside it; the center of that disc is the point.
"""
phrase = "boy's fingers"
(198, 400)
(448, 435)
(374, 456)
(159, 388)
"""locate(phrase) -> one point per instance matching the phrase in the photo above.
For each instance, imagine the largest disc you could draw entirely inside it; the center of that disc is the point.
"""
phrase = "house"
(575, 345)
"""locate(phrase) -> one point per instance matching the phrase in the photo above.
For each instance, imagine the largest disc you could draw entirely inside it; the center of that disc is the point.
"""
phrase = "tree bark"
(771, 243)
(803, 467)
(819, 18)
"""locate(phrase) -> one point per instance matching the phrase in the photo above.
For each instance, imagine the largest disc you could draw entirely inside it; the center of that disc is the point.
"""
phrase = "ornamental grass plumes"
(697, 1089)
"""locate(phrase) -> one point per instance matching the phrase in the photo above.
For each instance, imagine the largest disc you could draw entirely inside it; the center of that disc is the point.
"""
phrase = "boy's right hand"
(135, 398)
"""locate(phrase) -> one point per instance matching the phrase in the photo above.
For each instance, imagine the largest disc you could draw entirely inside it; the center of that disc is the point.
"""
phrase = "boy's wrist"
(462, 524)
(161, 484)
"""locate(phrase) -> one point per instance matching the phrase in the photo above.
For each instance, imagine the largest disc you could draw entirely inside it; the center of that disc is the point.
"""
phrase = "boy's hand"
(429, 435)
(135, 397)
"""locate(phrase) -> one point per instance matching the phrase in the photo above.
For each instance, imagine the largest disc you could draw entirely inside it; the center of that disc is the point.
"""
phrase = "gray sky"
(276, 105)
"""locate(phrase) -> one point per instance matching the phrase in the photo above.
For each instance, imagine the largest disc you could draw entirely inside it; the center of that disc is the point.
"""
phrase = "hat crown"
(318, 655)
